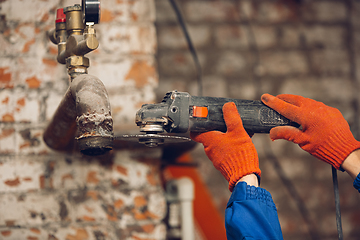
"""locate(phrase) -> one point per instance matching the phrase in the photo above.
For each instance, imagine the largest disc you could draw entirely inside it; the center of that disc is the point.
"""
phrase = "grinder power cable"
(180, 113)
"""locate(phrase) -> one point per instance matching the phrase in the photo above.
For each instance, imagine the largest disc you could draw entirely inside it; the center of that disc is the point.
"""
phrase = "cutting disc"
(153, 140)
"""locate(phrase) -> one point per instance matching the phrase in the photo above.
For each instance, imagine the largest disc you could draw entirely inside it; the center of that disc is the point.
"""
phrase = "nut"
(76, 61)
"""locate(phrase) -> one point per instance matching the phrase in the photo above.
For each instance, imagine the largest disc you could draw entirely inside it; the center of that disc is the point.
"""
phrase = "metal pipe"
(84, 114)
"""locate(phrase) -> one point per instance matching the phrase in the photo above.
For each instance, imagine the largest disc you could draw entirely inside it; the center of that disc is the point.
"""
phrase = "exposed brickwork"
(308, 48)
(305, 47)
(50, 195)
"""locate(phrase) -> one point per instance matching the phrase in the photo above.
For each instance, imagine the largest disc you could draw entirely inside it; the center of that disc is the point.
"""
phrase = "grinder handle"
(206, 115)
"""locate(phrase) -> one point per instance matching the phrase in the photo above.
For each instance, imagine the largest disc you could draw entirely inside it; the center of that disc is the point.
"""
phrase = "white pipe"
(185, 195)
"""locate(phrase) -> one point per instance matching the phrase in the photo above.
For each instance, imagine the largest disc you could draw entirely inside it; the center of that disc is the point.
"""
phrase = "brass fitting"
(74, 20)
(77, 65)
(74, 40)
(81, 45)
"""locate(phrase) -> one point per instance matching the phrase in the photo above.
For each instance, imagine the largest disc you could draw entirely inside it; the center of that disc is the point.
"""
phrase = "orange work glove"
(233, 152)
(325, 134)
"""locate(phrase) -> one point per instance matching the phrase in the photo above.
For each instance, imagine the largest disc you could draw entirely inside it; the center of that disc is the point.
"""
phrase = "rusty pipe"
(83, 115)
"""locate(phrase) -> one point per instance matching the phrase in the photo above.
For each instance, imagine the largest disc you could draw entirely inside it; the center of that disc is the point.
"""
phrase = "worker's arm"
(352, 166)
(251, 214)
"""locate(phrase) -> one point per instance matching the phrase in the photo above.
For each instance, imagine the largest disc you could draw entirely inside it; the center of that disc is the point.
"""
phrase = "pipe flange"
(96, 145)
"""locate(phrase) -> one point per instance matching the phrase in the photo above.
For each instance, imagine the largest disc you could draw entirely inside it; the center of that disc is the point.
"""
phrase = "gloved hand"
(232, 153)
(325, 134)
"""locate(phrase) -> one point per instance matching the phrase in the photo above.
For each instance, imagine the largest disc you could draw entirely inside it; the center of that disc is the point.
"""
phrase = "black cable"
(190, 45)
(337, 203)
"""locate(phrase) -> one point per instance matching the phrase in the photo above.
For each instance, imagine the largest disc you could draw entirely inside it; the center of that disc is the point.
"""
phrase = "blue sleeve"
(357, 183)
(251, 214)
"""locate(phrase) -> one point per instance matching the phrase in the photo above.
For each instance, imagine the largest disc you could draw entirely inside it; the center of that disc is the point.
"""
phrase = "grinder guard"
(171, 114)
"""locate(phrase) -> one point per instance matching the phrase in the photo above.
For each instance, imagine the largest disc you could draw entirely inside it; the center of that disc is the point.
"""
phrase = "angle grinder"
(180, 113)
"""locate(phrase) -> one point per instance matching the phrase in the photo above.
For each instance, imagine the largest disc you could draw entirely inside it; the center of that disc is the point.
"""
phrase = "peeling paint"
(92, 178)
(44, 196)
(122, 170)
(81, 234)
(10, 223)
(5, 77)
(53, 50)
(148, 228)
(49, 62)
(65, 177)
(111, 214)
(45, 182)
(6, 132)
(140, 201)
(8, 118)
(134, 16)
(151, 215)
(118, 204)
(88, 219)
(33, 82)
(140, 72)
(32, 238)
(12, 183)
(6, 233)
(5, 101)
(35, 230)
(27, 179)
(151, 179)
(92, 194)
(106, 15)
(139, 215)
(27, 45)
(21, 102)
(45, 17)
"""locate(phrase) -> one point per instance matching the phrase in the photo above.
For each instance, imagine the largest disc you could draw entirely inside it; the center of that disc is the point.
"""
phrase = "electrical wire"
(190, 46)
(337, 203)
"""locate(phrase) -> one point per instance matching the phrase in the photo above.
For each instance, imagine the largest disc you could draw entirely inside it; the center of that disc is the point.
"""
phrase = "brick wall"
(309, 48)
(50, 195)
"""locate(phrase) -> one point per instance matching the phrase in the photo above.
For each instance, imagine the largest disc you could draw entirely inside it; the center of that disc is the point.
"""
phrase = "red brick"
(140, 201)
(92, 178)
(140, 72)
(33, 82)
(81, 234)
(12, 183)
(5, 78)
(27, 45)
(121, 170)
(6, 233)
(106, 15)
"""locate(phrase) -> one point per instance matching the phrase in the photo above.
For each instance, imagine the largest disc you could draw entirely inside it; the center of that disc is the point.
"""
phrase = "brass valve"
(74, 37)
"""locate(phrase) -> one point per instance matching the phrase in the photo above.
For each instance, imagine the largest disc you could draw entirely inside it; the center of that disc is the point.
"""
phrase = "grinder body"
(179, 112)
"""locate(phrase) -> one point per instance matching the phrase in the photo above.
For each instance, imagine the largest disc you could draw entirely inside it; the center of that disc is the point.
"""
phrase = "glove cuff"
(337, 148)
(236, 169)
